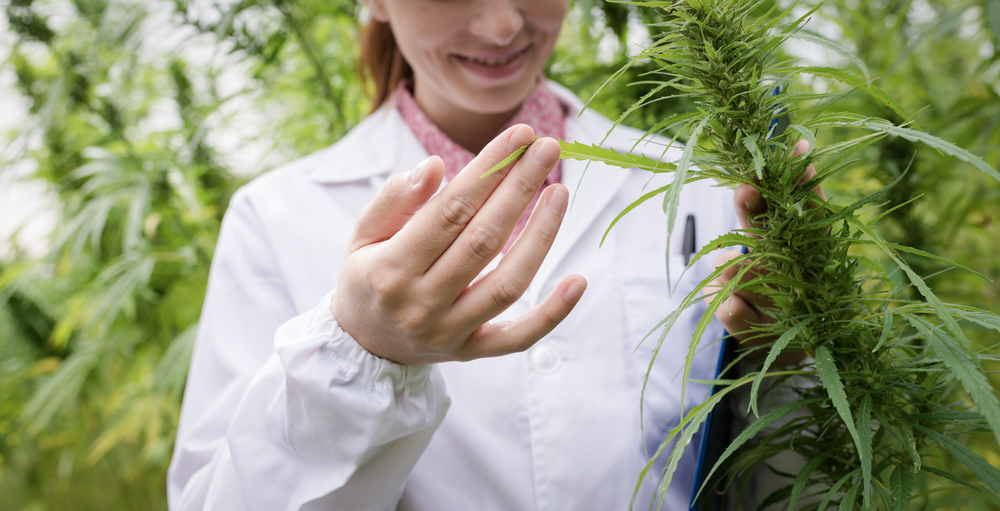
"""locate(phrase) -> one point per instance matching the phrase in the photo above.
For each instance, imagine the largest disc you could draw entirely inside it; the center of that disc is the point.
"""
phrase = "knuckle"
(456, 213)
(473, 351)
(504, 292)
(484, 241)
(551, 319)
(546, 235)
(522, 186)
(414, 318)
(513, 347)
(390, 195)
(386, 282)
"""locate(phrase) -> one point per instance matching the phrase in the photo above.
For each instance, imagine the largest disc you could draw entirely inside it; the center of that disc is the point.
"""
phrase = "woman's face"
(480, 56)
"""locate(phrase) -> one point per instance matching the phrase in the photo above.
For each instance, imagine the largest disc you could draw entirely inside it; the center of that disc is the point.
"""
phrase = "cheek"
(422, 48)
(546, 20)
(421, 27)
(546, 15)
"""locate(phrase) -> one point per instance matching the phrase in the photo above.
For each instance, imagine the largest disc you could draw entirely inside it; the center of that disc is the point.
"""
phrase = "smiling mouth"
(493, 61)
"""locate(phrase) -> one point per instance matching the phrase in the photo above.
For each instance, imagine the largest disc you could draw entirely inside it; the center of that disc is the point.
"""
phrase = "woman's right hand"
(404, 291)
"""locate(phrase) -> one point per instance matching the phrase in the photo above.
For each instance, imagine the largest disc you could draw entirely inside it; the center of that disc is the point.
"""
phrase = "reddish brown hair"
(381, 63)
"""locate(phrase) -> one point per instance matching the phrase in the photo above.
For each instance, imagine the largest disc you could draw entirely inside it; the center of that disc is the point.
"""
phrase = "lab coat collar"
(382, 144)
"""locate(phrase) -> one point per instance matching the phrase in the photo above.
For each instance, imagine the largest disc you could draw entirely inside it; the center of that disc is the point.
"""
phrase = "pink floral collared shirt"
(542, 111)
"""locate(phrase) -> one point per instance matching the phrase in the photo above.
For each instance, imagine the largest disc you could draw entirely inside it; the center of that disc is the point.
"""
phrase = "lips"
(494, 65)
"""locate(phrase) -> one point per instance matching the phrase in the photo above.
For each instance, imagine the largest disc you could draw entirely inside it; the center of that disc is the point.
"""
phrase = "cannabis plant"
(135, 114)
(894, 378)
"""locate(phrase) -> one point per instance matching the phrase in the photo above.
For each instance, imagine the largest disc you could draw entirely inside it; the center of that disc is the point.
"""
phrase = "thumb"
(800, 148)
(396, 202)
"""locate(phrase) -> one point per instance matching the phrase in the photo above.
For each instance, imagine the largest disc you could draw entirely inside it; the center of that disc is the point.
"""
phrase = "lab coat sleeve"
(292, 413)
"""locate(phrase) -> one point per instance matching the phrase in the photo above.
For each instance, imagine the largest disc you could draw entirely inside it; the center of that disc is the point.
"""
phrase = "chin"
(499, 100)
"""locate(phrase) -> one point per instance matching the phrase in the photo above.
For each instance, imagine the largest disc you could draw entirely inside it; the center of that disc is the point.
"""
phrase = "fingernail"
(521, 137)
(574, 292)
(752, 204)
(546, 155)
(418, 172)
(557, 200)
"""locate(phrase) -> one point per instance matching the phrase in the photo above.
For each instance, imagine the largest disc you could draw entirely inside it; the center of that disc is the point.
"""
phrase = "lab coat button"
(545, 359)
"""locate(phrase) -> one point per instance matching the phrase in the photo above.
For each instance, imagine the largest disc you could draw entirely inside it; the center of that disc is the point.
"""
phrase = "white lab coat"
(283, 410)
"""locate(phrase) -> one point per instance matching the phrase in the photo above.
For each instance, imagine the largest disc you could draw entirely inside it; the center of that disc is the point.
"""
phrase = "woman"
(300, 396)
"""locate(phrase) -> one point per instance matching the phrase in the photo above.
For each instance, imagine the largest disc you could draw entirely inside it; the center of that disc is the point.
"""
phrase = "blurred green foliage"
(143, 117)
(941, 59)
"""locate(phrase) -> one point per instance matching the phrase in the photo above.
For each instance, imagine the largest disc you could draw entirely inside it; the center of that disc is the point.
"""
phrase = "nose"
(497, 21)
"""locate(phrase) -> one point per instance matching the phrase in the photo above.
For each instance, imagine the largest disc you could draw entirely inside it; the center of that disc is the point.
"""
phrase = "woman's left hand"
(741, 310)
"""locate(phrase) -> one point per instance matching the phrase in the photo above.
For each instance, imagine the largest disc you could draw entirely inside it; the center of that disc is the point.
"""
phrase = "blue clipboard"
(715, 434)
(716, 431)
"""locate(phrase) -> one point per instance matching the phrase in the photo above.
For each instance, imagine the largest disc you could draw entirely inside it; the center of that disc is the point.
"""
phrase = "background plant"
(142, 117)
(892, 375)
(137, 114)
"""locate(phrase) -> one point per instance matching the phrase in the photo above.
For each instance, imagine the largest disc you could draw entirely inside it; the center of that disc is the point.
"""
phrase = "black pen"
(689, 247)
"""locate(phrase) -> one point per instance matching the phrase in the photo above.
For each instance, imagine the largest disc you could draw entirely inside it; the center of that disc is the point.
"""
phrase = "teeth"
(495, 62)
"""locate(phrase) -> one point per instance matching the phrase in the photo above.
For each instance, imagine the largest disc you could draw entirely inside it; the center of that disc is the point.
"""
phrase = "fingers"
(740, 310)
(737, 316)
(503, 338)
(747, 200)
(494, 293)
(800, 148)
(487, 233)
(434, 228)
(396, 203)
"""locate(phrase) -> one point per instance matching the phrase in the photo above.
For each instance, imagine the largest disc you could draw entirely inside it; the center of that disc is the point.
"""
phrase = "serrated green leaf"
(850, 498)
(750, 142)
(752, 429)
(775, 497)
(915, 251)
(986, 473)
(684, 432)
(802, 478)
(954, 478)
(826, 368)
(772, 355)
(981, 318)
(882, 492)
(911, 446)
(886, 328)
(861, 84)
(864, 428)
(672, 199)
(900, 487)
(937, 143)
(834, 489)
(973, 379)
(833, 46)
(730, 239)
(889, 211)
(800, 21)
(585, 152)
(849, 210)
(645, 197)
(947, 416)
(506, 161)
(771, 23)
(806, 134)
(939, 307)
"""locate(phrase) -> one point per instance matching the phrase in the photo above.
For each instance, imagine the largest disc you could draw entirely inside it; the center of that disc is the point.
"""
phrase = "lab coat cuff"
(343, 360)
